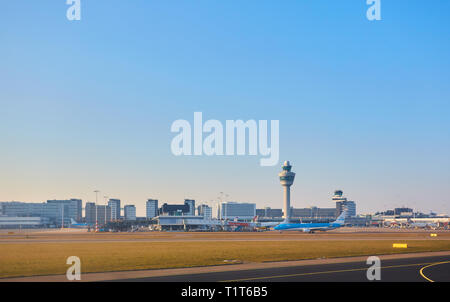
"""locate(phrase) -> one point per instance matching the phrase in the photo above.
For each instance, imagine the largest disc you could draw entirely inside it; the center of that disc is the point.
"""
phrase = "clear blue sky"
(363, 106)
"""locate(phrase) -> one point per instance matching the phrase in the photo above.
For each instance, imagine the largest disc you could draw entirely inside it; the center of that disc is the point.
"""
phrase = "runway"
(80, 236)
(418, 269)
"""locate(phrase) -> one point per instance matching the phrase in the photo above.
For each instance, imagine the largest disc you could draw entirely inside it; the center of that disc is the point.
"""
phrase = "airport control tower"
(286, 180)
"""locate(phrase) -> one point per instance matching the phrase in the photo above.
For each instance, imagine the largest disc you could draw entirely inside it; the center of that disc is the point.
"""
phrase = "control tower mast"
(286, 180)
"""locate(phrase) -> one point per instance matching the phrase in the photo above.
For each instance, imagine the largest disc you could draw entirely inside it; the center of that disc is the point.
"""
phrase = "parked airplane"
(77, 225)
(253, 224)
(422, 224)
(312, 227)
(267, 225)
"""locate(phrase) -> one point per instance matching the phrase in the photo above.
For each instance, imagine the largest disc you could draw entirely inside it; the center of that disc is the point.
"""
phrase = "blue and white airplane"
(78, 225)
(312, 227)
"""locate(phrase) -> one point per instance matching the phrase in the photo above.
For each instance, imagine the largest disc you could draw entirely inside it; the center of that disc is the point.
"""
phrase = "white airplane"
(253, 224)
(422, 224)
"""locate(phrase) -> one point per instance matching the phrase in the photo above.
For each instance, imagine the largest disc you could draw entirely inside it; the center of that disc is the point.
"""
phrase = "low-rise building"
(186, 223)
(237, 211)
(313, 213)
(269, 213)
(14, 222)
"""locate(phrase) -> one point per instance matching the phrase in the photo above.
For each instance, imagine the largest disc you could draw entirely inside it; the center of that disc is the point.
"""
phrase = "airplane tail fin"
(341, 218)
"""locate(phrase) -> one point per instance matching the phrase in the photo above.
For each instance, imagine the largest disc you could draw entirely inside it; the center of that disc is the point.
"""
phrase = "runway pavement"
(417, 269)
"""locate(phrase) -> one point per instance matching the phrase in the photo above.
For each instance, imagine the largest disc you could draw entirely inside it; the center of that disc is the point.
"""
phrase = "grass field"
(28, 259)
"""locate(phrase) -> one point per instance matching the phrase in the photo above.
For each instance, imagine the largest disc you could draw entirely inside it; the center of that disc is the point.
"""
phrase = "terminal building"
(314, 213)
(187, 223)
(176, 217)
(7, 222)
(181, 217)
(58, 212)
(268, 213)
(303, 214)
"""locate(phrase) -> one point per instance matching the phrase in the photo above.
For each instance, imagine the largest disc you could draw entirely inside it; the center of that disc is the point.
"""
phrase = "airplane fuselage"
(307, 227)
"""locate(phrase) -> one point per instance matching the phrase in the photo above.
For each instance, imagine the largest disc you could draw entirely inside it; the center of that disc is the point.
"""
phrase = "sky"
(363, 105)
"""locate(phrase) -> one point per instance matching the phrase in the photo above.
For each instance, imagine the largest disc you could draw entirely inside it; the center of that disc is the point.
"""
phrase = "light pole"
(226, 207)
(219, 207)
(62, 222)
(106, 204)
(220, 198)
(96, 210)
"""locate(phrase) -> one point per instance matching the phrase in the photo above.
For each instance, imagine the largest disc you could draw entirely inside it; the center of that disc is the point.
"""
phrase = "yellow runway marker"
(319, 273)
(400, 245)
(430, 265)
